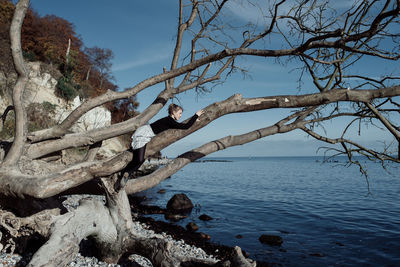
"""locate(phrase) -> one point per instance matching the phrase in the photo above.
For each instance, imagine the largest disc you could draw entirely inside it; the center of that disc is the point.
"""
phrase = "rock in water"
(180, 203)
(205, 217)
(272, 240)
(192, 227)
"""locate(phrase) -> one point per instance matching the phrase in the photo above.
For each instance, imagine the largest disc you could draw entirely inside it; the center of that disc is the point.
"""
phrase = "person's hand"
(199, 113)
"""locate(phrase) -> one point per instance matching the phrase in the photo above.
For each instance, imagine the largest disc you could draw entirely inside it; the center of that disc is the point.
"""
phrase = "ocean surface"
(326, 213)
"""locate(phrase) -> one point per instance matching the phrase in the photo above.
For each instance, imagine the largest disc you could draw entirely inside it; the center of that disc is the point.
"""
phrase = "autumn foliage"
(53, 40)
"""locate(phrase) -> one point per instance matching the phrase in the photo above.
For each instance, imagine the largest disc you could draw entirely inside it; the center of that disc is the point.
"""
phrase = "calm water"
(324, 213)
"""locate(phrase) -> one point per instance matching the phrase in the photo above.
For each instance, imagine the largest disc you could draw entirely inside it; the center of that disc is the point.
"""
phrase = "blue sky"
(141, 35)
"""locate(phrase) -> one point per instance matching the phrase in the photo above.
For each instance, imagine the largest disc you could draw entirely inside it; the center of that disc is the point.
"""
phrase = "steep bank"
(41, 88)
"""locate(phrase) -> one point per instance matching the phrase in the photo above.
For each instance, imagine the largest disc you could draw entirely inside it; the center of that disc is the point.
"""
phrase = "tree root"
(111, 227)
(240, 261)
(14, 227)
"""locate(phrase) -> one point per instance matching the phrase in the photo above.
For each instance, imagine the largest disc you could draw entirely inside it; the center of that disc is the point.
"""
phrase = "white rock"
(41, 87)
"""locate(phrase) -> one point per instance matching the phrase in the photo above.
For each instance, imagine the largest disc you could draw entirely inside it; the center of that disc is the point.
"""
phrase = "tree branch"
(20, 132)
(239, 104)
(384, 121)
(369, 152)
(151, 180)
(321, 41)
(16, 183)
(214, 111)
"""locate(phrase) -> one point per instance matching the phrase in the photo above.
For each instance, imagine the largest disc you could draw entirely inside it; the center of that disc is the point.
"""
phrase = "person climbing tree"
(143, 135)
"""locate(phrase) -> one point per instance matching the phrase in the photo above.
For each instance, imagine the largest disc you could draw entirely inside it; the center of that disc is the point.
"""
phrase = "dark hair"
(173, 107)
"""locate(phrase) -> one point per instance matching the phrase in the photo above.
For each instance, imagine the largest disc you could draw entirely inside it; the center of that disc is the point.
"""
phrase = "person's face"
(177, 114)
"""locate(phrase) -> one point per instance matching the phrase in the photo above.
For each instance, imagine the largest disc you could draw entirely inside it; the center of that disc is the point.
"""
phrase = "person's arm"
(173, 124)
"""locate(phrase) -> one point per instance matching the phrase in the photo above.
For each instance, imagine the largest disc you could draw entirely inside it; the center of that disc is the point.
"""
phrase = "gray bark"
(20, 134)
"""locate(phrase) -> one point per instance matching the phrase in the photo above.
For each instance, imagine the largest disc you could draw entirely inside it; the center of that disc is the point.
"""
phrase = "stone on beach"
(180, 203)
(192, 227)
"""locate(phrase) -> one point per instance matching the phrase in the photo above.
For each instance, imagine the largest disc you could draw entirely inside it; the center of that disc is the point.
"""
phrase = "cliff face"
(41, 88)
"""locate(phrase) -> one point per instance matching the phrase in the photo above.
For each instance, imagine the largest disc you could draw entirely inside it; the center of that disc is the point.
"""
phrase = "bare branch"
(384, 121)
(360, 149)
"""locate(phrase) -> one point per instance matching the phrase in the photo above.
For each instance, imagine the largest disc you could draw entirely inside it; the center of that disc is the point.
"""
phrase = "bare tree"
(100, 59)
(324, 42)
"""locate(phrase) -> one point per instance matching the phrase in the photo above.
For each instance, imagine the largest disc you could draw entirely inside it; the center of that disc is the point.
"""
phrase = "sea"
(327, 213)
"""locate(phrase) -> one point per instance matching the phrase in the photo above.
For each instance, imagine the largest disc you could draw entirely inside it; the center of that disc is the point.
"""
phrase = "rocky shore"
(184, 242)
(84, 259)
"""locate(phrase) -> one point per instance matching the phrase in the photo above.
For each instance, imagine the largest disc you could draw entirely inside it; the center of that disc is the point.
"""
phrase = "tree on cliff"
(323, 42)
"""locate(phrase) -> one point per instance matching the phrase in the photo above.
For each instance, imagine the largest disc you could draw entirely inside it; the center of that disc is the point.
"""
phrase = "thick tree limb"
(238, 104)
(20, 132)
(231, 105)
(16, 183)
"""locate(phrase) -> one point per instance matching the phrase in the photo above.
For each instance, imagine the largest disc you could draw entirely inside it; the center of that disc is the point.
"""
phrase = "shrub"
(30, 56)
(65, 88)
(49, 107)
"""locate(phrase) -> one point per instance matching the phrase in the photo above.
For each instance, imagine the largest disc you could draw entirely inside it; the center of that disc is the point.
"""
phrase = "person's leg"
(130, 170)
(137, 160)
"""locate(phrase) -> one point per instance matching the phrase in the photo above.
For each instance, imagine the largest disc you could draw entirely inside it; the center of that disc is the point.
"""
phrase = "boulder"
(272, 240)
(192, 227)
(205, 217)
(180, 203)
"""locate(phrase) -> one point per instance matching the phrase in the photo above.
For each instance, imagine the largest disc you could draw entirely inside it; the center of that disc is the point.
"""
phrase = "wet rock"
(205, 236)
(174, 217)
(205, 217)
(192, 227)
(180, 203)
(272, 240)
(161, 191)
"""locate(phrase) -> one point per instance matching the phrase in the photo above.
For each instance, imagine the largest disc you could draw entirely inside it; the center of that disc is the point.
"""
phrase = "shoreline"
(193, 238)
(184, 242)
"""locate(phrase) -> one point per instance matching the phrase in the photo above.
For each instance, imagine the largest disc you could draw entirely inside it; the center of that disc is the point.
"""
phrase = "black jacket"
(169, 123)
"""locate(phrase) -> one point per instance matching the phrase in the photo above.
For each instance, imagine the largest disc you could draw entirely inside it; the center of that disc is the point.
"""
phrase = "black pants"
(137, 160)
